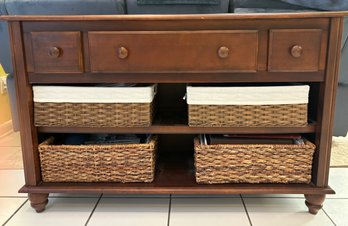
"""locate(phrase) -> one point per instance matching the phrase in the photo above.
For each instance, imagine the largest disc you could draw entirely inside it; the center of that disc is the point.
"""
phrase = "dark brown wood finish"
(302, 15)
(326, 108)
(177, 25)
(314, 202)
(179, 77)
(105, 46)
(28, 52)
(289, 51)
(54, 52)
(162, 128)
(263, 50)
(29, 136)
(173, 51)
(135, 188)
(85, 54)
(38, 201)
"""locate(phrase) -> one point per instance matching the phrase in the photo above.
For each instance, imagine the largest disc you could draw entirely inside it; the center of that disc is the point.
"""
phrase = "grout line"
(285, 197)
(74, 197)
(95, 207)
(206, 197)
(337, 198)
(339, 167)
(279, 197)
(272, 197)
(169, 209)
(15, 212)
(14, 197)
(133, 197)
(246, 210)
(329, 217)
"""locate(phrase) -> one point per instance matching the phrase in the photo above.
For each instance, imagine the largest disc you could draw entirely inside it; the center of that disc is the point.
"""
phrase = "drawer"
(56, 52)
(150, 51)
(296, 50)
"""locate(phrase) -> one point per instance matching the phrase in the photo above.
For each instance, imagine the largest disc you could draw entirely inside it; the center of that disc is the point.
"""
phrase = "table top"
(222, 16)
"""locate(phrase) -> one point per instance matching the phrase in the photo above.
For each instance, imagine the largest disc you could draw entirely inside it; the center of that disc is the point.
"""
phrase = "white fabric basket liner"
(260, 95)
(79, 94)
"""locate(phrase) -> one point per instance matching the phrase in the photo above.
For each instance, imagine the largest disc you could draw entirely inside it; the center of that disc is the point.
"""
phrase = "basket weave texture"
(98, 163)
(93, 114)
(253, 163)
(248, 115)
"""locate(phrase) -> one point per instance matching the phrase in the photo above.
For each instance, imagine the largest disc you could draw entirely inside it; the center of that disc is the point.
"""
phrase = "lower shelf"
(175, 175)
(158, 188)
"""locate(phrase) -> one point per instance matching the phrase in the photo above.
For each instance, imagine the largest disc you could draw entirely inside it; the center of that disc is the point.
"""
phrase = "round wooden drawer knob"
(122, 52)
(54, 52)
(296, 51)
(223, 52)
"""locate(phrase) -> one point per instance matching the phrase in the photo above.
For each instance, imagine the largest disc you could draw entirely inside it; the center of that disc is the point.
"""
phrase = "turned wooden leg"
(38, 201)
(314, 202)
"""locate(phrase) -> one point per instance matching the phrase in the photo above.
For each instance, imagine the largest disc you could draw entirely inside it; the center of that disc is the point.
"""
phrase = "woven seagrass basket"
(98, 163)
(248, 106)
(248, 115)
(94, 106)
(93, 114)
(253, 163)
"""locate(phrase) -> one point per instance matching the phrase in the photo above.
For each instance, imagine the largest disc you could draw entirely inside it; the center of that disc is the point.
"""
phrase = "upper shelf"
(222, 16)
(158, 128)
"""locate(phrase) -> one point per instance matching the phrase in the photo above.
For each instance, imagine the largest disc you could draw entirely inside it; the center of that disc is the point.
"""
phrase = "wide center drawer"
(150, 51)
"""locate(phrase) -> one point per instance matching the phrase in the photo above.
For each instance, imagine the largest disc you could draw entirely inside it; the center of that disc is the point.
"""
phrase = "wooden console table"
(173, 50)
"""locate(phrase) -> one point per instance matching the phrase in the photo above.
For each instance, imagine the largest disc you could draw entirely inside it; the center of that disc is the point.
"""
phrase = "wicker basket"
(253, 163)
(254, 107)
(98, 163)
(93, 115)
(80, 107)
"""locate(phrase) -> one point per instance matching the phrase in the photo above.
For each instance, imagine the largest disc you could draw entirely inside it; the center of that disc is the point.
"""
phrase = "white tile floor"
(175, 210)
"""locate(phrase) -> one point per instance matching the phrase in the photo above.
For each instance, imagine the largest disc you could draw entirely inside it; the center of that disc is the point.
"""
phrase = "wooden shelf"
(158, 128)
(175, 175)
(157, 188)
